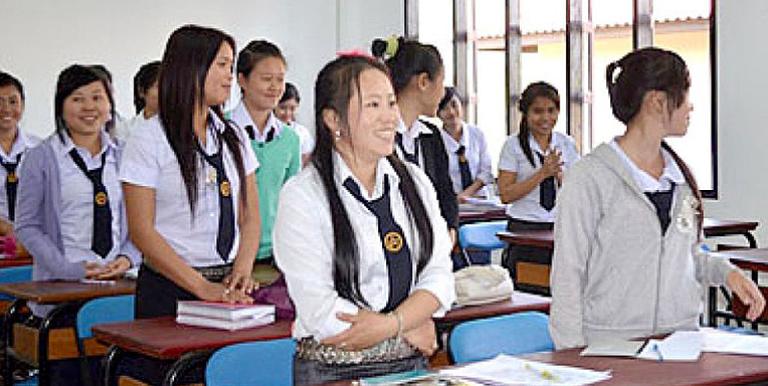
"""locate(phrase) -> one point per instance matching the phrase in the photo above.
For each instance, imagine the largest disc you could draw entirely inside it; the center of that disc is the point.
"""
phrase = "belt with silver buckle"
(386, 351)
(215, 273)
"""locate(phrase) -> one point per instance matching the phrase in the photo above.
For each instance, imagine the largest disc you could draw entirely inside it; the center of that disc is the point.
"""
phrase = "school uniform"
(306, 138)
(627, 260)
(9, 173)
(70, 209)
(124, 128)
(422, 145)
(277, 150)
(207, 240)
(468, 159)
(304, 253)
(537, 209)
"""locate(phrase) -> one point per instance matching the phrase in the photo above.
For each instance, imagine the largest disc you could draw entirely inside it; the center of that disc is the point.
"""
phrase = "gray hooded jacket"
(614, 275)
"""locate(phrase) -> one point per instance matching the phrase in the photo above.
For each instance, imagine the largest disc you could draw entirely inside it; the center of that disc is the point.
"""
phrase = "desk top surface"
(52, 292)
(475, 215)
(520, 302)
(545, 238)
(163, 338)
(710, 369)
(13, 262)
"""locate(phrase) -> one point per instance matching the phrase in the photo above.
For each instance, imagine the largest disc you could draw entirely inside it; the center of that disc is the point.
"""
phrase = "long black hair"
(410, 58)
(189, 53)
(70, 79)
(533, 91)
(333, 91)
(142, 81)
(652, 69)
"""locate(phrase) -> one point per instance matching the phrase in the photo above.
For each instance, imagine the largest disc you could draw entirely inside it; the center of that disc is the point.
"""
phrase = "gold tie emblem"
(462, 158)
(100, 199)
(393, 241)
(225, 188)
(12, 177)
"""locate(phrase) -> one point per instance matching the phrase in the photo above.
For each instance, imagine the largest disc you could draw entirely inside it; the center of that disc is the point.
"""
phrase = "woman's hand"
(423, 337)
(94, 269)
(217, 292)
(241, 279)
(552, 163)
(747, 291)
(367, 330)
(115, 268)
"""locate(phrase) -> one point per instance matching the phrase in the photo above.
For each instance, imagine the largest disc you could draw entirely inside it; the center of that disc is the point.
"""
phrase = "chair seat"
(482, 235)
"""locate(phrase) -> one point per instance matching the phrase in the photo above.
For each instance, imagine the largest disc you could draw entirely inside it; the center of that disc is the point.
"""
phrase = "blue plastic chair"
(481, 237)
(253, 363)
(522, 333)
(109, 309)
(14, 275)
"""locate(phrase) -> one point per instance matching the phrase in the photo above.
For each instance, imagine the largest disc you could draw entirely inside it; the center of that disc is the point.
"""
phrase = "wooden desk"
(164, 339)
(754, 260)
(13, 262)
(473, 216)
(520, 302)
(710, 370)
(538, 239)
(65, 295)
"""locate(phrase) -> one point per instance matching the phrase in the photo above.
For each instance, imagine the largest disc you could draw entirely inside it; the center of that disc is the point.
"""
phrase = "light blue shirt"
(77, 198)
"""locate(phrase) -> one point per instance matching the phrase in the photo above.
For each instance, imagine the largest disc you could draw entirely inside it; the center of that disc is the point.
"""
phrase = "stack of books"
(224, 316)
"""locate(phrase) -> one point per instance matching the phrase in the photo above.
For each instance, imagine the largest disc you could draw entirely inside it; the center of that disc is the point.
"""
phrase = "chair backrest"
(253, 363)
(522, 333)
(14, 275)
(103, 310)
(482, 235)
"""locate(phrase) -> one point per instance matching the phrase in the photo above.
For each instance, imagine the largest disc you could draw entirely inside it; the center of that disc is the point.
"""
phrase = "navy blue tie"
(662, 201)
(412, 158)
(546, 189)
(101, 240)
(11, 183)
(225, 238)
(466, 174)
(399, 265)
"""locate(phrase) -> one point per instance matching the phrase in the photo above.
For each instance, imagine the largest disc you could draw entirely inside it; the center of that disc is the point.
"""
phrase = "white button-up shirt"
(644, 181)
(22, 143)
(77, 198)
(303, 245)
(305, 137)
(149, 161)
(513, 160)
(242, 118)
(409, 139)
(476, 152)
(123, 129)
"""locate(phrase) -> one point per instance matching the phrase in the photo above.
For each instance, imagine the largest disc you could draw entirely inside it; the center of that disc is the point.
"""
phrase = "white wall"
(742, 115)
(39, 39)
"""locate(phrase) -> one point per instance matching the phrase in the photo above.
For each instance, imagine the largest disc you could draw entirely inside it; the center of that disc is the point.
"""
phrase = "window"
(609, 29)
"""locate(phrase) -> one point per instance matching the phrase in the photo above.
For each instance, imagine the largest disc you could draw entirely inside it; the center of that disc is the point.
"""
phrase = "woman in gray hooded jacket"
(627, 260)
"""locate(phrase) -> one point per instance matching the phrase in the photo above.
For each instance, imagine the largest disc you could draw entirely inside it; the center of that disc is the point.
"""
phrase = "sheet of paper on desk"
(613, 348)
(508, 370)
(682, 346)
(730, 343)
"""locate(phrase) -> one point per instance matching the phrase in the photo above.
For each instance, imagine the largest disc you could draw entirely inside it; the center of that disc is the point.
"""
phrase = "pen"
(657, 350)
(543, 374)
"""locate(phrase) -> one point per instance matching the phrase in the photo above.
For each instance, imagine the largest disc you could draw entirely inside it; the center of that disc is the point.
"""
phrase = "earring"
(337, 133)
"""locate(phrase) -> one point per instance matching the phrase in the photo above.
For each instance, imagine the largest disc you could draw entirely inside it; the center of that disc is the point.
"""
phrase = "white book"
(224, 311)
(231, 325)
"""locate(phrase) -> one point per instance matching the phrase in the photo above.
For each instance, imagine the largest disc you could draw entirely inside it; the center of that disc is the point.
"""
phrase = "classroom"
(383, 192)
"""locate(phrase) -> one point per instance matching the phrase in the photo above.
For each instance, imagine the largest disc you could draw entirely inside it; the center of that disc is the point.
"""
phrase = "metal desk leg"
(187, 362)
(12, 316)
(110, 365)
(44, 377)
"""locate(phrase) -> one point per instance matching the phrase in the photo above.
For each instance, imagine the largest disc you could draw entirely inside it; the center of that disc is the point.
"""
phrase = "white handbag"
(481, 284)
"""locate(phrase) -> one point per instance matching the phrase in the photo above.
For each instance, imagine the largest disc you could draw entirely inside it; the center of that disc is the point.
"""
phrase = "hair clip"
(393, 44)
